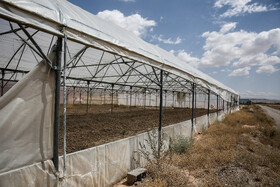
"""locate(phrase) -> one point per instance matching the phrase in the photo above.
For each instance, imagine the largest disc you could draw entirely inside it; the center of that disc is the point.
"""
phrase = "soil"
(99, 125)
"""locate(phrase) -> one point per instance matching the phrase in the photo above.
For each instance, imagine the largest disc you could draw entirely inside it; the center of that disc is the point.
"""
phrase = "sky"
(237, 42)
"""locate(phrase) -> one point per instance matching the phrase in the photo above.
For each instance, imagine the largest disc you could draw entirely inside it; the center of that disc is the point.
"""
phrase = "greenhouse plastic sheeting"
(84, 27)
(26, 125)
(103, 165)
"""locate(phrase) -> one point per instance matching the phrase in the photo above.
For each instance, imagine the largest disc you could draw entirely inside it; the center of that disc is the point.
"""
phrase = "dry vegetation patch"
(275, 106)
(243, 150)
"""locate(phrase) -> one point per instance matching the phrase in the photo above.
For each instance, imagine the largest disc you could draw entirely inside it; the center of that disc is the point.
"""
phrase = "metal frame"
(129, 75)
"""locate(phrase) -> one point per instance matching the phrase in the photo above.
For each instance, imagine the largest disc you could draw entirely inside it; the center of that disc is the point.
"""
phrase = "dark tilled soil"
(101, 126)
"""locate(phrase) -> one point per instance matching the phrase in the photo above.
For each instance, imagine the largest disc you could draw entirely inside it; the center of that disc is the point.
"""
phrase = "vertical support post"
(208, 107)
(173, 103)
(165, 98)
(74, 91)
(217, 105)
(126, 98)
(195, 104)
(104, 91)
(189, 100)
(67, 95)
(80, 96)
(57, 104)
(156, 99)
(184, 100)
(227, 106)
(160, 113)
(145, 100)
(150, 102)
(130, 100)
(230, 104)
(87, 94)
(223, 105)
(112, 101)
(64, 106)
(135, 98)
(2, 82)
(90, 96)
(193, 91)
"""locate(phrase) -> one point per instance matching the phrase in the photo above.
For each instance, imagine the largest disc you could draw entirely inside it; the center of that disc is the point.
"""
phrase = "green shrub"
(180, 144)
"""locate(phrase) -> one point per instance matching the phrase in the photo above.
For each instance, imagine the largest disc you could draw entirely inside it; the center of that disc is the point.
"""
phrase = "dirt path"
(275, 114)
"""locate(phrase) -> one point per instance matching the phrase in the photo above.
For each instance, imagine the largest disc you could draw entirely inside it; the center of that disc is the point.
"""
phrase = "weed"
(123, 131)
(180, 145)
(153, 148)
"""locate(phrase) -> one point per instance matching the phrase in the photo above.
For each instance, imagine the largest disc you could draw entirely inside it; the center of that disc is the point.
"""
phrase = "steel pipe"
(160, 113)
(57, 104)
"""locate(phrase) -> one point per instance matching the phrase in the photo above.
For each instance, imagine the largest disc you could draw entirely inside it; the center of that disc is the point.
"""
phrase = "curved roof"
(60, 17)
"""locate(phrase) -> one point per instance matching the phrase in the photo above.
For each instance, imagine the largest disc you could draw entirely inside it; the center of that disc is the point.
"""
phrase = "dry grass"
(275, 106)
(166, 175)
(243, 150)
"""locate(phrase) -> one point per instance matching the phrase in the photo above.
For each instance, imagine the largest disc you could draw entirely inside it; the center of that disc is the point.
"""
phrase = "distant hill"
(255, 100)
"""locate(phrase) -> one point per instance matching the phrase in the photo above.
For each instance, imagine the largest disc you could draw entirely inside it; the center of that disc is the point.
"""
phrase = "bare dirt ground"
(101, 126)
(274, 113)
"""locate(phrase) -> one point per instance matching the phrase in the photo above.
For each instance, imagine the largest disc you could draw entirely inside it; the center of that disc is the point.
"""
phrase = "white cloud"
(240, 72)
(134, 23)
(240, 48)
(257, 59)
(240, 7)
(266, 69)
(186, 57)
(228, 27)
(160, 38)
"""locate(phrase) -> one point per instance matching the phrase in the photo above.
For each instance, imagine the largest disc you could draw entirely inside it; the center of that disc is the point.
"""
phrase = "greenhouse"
(54, 53)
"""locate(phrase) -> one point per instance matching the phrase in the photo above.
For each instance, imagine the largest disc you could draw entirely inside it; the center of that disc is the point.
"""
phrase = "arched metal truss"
(90, 67)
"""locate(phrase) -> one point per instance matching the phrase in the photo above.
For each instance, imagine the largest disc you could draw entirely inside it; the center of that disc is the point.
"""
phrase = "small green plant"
(123, 131)
(153, 148)
(180, 144)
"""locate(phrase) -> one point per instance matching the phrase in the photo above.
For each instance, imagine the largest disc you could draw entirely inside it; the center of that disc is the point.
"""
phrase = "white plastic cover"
(103, 165)
(26, 125)
(86, 28)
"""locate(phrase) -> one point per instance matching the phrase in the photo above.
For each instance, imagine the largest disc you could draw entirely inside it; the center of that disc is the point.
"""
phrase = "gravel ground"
(275, 114)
